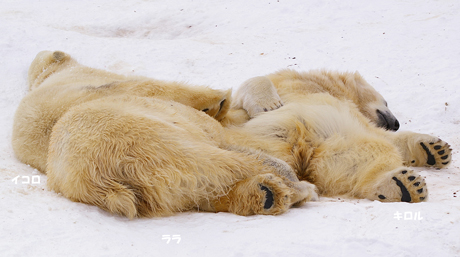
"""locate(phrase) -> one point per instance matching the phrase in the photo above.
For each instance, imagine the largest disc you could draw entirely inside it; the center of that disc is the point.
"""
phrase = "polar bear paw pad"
(438, 153)
(404, 186)
(269, 199)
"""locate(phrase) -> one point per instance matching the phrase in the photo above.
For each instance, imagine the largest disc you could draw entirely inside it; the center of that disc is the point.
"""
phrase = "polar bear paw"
(437, 154)
(402, 185)
(422, 150)
(276, 196)
(268, 194)
(295, 194)
(304, 192)
(257, 95)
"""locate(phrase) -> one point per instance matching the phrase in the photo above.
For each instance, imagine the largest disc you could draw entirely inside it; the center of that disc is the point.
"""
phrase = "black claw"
(420, 190)
(445, 163)
(445, 157)
(437, 147)
(411, 178)
(413, 161)
(422, 198)
(431, 143)
(441, 152)
(269, 199)
(417, 184)
(265, 110)
(404, 171)
(221, 105)
(405, 194)
(430, 160)
(382, 197)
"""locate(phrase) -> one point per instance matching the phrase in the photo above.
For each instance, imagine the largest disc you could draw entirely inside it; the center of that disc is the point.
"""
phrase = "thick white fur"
(257, 95)
(140, 147)
(265, 93)
(57, 82)
(329, 141)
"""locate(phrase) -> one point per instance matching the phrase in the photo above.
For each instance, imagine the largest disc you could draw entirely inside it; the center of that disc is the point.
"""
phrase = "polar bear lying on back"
(142, 148)
(329, 126)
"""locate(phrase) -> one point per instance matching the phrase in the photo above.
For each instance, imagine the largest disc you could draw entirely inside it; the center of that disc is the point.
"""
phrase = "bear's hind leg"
(265, 194)
(399, 185)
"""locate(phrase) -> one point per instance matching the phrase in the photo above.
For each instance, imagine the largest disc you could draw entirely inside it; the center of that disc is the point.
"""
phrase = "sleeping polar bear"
(269, 92)
(138, 148)
(135, 146)
(57, 82)
(333, 131)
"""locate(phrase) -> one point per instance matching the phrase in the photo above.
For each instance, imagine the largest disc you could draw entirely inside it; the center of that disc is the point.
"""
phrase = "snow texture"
(408, 50)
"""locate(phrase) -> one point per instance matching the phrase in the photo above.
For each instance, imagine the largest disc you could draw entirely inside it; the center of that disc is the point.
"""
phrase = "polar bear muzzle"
(387, 120)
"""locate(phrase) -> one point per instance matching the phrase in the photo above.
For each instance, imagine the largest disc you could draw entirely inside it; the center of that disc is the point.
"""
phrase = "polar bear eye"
(205, 110)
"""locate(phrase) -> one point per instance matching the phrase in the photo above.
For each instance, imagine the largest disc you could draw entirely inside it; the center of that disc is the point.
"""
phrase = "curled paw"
(304, 192)
(264, 103)
(257, 95)
(267, 194)
(276, 195)
(300, 192)
(402, 185)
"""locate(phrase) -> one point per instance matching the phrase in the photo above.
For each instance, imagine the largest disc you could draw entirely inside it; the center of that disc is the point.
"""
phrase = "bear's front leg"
(257, 95)
(423, 150)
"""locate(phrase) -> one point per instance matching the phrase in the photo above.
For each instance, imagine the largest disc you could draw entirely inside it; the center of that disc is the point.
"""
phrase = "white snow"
(408, 50)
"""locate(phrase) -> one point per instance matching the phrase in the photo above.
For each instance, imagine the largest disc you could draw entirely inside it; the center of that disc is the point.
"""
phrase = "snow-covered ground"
(409, 50)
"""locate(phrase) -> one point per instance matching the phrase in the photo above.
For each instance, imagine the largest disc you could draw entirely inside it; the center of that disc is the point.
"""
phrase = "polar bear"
(270, 92)
(139, 147)
(330, 141)
(57, 82)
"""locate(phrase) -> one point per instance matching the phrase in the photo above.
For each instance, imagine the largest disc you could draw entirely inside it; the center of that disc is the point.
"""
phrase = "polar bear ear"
(44, 64)
(60, 56)
(373, 105)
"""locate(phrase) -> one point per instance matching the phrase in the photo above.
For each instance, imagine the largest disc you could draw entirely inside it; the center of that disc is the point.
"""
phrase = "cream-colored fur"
(135, 146)
(141, 147)
(329, 141)
(257, 95)
(57, 82)
(270, 92)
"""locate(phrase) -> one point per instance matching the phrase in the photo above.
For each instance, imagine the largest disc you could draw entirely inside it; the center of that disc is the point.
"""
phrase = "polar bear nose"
(387, 120)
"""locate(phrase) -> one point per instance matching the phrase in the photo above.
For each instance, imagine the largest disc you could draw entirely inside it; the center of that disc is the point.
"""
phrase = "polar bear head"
(45, 64)
(342, 85)
(373, 105)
